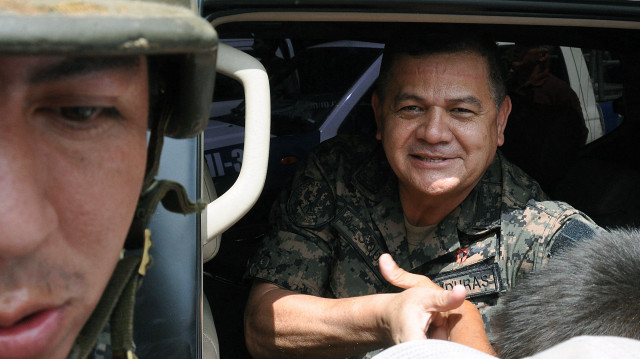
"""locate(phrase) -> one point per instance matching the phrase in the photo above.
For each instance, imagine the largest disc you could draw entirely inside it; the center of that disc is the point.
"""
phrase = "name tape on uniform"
(479, 279)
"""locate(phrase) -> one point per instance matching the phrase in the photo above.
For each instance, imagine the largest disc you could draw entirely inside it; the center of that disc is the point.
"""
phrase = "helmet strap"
(172, 194)
(116, 306)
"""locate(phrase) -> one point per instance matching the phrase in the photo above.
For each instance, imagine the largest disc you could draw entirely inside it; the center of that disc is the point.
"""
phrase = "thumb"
(448, 299)
(401, 278)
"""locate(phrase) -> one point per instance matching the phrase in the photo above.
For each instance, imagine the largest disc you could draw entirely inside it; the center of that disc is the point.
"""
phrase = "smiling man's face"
(72, 159)
(439, 125)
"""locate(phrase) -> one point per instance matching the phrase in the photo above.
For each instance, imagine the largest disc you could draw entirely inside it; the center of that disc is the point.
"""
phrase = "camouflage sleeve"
(298, 253)
(294, 262)
(532, 235)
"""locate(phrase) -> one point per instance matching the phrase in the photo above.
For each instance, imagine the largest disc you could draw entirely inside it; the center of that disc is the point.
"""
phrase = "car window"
(304, 89)
(227, 89)
(593, 75)
(309, 89)
(328, 69)
(606, 77)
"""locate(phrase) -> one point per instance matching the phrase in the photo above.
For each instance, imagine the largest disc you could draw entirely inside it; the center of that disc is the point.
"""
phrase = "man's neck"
(422, 210)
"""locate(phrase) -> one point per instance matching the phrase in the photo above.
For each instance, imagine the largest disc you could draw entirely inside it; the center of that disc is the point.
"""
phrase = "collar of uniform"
(481, 210)
(375, 179)
(377, 183)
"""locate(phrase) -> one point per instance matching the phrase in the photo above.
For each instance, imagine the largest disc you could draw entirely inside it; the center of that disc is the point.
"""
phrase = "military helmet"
(123, 27)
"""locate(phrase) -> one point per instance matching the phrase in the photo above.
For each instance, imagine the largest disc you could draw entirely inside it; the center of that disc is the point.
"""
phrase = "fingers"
(434, 311)
(438, 328)
(421, 303)
(401, 278)
(418, 309)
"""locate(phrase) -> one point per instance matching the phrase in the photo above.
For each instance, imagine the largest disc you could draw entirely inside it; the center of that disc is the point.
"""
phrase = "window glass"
(304, 89)
(604, 69)
(539, 74)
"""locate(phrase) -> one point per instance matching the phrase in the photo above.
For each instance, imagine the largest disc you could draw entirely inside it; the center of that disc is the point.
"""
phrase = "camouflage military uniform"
(343, 211)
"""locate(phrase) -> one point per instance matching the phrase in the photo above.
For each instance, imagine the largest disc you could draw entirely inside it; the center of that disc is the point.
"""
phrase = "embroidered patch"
(311, 204)
(571, 233)
(480, 279)
(462, 255)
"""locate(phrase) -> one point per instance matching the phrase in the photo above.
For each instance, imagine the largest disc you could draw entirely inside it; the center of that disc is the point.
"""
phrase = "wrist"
(383, 322)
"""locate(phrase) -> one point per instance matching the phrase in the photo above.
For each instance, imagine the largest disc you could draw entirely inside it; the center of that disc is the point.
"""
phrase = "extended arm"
(281, 323)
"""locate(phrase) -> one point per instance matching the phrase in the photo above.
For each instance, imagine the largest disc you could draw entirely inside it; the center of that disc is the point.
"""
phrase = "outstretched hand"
(417, 310)
(424, 310)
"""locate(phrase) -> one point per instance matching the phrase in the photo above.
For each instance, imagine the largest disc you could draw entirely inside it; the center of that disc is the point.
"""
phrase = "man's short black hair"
(591, 288)
(446, 43)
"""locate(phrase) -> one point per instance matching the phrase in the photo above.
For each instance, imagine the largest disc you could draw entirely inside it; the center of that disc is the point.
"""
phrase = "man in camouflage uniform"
(82, 84)
(434, 194)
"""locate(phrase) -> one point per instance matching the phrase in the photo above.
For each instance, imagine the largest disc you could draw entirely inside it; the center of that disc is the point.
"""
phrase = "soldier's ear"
(503, 116)
(377, 112)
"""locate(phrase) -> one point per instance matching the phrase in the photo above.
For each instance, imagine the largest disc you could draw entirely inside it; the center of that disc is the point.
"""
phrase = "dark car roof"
(595, 24)
(610, 10)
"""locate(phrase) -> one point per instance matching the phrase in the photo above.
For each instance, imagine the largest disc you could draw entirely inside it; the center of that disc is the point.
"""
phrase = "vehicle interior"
(597, 174)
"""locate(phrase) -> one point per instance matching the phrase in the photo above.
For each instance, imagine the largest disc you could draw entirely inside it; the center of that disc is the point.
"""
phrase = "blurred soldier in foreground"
(81, 83)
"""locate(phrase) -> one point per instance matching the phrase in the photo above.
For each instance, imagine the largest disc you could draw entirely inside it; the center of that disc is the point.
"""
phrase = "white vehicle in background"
(580, 81)
(592, 75)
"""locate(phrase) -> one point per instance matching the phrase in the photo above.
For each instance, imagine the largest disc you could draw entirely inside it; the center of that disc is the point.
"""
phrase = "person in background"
(546, 128)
